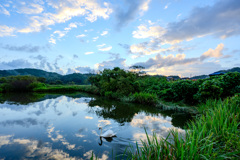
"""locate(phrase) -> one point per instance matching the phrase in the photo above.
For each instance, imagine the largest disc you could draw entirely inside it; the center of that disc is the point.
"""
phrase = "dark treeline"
(130, 86)
(50, 77)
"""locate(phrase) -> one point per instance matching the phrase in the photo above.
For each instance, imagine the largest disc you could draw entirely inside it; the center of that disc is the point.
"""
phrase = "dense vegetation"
(50, 77)
(129, 86)
(36, 84)
(20, 83)
(213, 135)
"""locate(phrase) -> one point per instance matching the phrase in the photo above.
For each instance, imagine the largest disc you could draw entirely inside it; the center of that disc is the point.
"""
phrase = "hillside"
(51, 77)
(76, 78)
(235, 69)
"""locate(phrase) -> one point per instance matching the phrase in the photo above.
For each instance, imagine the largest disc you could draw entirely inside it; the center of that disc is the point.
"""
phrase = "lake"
(66, 126)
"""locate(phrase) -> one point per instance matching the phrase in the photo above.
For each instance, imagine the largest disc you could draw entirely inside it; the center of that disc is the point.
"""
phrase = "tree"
(138, 70)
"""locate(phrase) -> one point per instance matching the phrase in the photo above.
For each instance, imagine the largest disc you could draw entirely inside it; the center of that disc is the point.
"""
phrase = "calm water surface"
(40, 126)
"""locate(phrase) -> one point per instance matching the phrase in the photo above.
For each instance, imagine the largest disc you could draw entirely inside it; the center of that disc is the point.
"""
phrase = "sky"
(167, 37)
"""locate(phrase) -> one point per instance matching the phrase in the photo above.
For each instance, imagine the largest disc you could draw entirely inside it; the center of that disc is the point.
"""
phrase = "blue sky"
(167, 37)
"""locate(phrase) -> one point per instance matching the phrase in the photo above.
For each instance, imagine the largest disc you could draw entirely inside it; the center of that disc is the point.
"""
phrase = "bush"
(210, 89)
(184, 90)
(236, 89)
(145, 98)
(35, 85)
(229, 83)
(166, 94)
(117, 81)
(214, 135)
(19, 83)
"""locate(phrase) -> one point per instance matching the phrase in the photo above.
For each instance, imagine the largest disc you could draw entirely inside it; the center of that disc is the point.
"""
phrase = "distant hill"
(29, 71)
(51, 77)
(235, 69)
(200, 77)
(77, 78)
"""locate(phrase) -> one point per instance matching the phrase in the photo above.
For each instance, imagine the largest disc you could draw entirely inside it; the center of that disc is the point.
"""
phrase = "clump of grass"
(68, 88)
(213, 135)
(145, 98)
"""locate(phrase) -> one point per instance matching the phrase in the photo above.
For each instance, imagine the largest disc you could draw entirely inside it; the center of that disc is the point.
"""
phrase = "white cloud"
(81, 35)
(101, 45)
(167, 5)
(87, 117)
(160, 61)
(32, 149)
(216, 53)
(129, 11)
(72, 25)
(66, 10)
(95, 38)
(169, 60)
(179, 15)
(104, 33)
(52, 40)
(153, 47)
(6, 31)
(151, 32)
(30, 8)
(17, 63)
(117, 62)
(60, 33)
(219, 20)
(105, 48)
(199, 68)
(87, 53)
(3, 10)
(80, 69)
(145, 5)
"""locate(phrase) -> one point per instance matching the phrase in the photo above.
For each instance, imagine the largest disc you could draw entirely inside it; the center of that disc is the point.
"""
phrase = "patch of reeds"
(68, 88)
(213, 135)
(145, 98)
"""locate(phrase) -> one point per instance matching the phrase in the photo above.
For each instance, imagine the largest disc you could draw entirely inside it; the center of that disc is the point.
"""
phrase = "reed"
(213, 135)
(68, 88)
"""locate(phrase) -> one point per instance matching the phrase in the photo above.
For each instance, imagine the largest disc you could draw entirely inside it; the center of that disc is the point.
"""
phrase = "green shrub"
(145, 98)
(210, 89)
(236, 89)
(18, 83)
(229, 83)
(108, 94)
(166, 94)
(184, 90)
(213, 135)
(35, 85)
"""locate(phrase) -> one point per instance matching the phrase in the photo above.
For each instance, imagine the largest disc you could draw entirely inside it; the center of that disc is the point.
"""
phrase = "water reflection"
(66, 126)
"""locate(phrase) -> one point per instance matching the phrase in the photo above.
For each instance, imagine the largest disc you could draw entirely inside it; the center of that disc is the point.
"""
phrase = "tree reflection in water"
(66, 126)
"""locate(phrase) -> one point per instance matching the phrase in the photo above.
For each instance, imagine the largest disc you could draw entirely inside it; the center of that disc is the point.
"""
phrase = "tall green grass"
(68, 88)
(145, 98)
(213, 135)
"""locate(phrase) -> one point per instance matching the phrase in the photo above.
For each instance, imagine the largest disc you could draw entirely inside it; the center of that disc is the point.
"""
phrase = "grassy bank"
(67, 88)
(215, 134)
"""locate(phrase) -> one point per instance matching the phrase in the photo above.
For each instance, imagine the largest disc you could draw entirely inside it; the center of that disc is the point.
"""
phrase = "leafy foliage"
(145, 98)
(214, 135)
(116, 80)
(48, 77)
(118, 83)
(20, 83)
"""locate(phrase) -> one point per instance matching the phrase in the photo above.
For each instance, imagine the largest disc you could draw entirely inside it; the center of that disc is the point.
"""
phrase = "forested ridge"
(51, 77)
